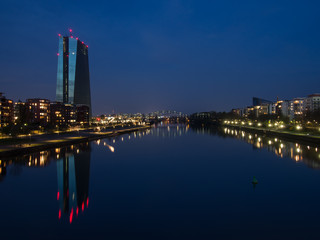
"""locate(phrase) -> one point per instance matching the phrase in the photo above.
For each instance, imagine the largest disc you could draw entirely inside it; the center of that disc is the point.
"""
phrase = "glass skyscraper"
(73, 81)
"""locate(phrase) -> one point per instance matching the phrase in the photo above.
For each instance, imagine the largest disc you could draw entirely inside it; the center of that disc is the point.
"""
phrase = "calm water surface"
(170, 182)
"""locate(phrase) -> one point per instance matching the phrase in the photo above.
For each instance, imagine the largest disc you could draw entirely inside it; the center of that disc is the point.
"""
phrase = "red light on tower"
(87, 46)
(59, 35)
(70, 30)
(58, 55)
(71, 36)
(77, 38)
(82, 42)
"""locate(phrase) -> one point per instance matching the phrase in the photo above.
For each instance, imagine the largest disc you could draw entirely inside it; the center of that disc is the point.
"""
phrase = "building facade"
(38, 111)
(20, 112)
(6, 111)
(297, 108)
(73, 82)
(62, 114)
(282, 108)
(313, 102)
(82, 114)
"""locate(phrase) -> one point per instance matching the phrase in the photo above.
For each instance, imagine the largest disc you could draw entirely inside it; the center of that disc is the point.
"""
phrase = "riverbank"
(305, 137)
(53, 141)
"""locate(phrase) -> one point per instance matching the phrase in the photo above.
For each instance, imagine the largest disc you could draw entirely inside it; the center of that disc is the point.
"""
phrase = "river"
(167, 182)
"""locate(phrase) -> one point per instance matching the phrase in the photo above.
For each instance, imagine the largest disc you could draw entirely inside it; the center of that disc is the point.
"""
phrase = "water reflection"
(169, 130)
(134, 195)
(73, 172)
(297, 151)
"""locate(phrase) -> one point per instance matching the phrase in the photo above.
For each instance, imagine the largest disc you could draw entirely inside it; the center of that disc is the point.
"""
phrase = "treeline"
(212, 117)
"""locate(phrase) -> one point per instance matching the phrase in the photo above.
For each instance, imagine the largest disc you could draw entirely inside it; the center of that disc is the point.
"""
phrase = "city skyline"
(172, 119)
(186, 56)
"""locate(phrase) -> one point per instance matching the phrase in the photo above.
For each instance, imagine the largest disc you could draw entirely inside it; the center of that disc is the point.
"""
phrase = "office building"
(73, 82)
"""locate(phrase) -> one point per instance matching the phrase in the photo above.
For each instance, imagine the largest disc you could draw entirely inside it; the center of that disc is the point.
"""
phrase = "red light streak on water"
(71, 216)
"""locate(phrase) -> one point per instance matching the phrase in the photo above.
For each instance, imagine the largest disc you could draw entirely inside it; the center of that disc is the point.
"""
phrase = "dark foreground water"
(170, 182)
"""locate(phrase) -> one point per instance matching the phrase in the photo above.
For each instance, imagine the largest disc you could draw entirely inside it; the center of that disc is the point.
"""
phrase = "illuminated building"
(62, 114)
(248, 111)
(282, 108)
(83, 113)
(20, 112)
(6, 111)
(294, 108)
(262, 109)
(313, 102)
(38, 111)
(73, 83)
(297, 107)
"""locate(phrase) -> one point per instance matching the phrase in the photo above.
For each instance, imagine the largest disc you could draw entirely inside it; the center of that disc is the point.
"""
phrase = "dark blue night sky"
(180, 55)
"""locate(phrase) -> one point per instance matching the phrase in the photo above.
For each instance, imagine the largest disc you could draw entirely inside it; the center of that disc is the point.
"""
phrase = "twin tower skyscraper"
(73, 81)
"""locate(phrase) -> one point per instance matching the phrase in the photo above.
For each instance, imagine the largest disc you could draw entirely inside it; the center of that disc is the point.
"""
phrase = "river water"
(169, 182)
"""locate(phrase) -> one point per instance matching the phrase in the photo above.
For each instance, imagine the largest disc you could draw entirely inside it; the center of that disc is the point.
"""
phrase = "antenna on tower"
(70, 31)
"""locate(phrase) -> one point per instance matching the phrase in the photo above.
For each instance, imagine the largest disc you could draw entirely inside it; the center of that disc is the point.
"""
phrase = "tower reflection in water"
(73, 173)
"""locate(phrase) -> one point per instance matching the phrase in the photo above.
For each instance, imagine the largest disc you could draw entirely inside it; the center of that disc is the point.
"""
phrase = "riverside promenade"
(47, 141)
